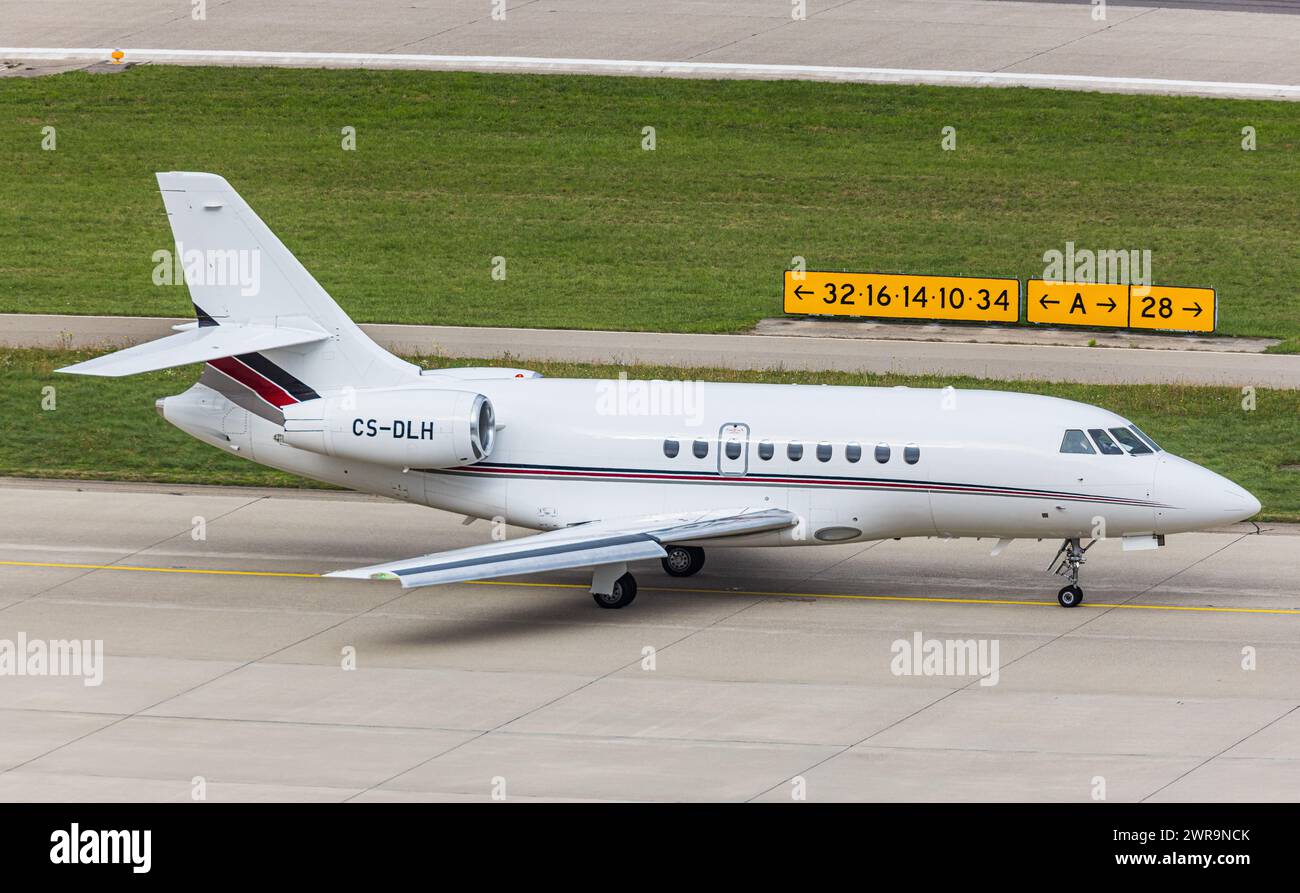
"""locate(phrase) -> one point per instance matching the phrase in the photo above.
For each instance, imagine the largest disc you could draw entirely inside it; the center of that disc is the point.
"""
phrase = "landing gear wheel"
(683, 561)
(1072, 558)
(1070, 597)
(624, 590)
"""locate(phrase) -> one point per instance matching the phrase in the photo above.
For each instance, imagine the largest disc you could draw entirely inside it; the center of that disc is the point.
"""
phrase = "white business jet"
(613, 472)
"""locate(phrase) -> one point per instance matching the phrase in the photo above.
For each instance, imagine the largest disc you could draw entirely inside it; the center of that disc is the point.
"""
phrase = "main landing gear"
(613, 587)
(683, 561)
(1072, 559)
(620, 594)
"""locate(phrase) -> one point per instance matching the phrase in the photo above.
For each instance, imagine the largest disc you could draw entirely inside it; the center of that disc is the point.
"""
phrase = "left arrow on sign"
(799, 292)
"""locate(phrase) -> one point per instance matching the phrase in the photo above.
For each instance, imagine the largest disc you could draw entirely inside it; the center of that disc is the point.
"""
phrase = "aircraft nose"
(1249, 504)
(1197, 498)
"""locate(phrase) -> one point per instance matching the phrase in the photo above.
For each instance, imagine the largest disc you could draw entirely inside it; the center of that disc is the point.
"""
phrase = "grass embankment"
(106, 429)
(451, 170)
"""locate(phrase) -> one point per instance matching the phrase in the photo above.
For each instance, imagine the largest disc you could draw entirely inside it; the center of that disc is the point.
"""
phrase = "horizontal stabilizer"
(198, 345)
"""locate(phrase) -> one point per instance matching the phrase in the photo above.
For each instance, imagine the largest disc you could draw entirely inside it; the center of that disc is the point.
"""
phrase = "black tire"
(683, 561)
(1070, 597)
(622, 595)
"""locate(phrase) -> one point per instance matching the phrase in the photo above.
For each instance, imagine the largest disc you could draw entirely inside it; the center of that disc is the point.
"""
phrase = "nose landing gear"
(1072, 558)
(1070, 596)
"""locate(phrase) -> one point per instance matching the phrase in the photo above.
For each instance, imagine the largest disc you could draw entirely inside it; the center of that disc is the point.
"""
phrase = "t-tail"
(269, 334)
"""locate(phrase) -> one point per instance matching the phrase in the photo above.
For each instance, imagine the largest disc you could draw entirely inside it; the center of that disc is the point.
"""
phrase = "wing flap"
(713, 526)
(585, 545)
(197, 345)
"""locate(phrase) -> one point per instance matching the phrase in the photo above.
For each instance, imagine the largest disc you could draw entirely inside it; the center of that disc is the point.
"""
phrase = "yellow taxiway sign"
(900, 296)
(1174, 309)
(1177, 309)
(1076, 303)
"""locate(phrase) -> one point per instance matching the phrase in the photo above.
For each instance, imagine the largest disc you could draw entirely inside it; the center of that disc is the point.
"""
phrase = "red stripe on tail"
(261, 385)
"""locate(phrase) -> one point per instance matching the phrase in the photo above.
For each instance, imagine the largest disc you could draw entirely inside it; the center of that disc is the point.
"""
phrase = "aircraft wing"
(583, 545)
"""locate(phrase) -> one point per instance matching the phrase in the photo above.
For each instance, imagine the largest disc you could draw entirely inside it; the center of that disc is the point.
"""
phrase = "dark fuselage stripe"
(257, 373)
(278, 376)
(631, 475)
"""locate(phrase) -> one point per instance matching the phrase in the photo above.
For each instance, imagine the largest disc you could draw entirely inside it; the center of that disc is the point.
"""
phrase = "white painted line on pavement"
(937, 77)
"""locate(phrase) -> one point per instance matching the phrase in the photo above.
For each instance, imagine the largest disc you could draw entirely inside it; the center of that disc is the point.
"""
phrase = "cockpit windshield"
(1104, 443)
(1130, 441)
(1145, 439)
(1117, 442)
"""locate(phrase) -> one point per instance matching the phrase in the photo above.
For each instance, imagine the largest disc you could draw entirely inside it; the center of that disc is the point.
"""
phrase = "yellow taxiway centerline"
(155, 570)
(756, 593)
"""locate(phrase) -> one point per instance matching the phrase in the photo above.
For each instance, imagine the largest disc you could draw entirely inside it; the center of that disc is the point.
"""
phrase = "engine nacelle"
(406, 427)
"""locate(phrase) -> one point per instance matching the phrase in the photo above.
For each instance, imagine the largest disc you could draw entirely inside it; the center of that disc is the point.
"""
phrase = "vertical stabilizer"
(240, 274)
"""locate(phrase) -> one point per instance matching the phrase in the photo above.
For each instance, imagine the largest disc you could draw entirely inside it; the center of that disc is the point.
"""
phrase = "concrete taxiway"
(223, 662)
(1220, 49)
(1025, 361)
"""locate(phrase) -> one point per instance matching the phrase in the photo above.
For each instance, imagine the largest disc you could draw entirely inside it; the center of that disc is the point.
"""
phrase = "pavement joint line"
(348, 726)
(1205, 762)
(922, 599)
(865, 548)
(1137, 15)
(456, 27)
(231, 670)
(502, 727)
(929, 704)
(1034, 650)
(677, 739)
(130, 554)
(781, 23)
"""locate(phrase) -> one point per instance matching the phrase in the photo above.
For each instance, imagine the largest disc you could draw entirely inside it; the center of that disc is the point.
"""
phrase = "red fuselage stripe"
(256, 382)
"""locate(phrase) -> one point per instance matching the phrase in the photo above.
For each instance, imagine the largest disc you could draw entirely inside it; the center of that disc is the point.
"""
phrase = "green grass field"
(452, 170)
(106, 429)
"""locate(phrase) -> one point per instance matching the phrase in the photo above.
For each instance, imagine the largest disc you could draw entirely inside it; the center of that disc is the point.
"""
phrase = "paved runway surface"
(1181, 41)
(1041, 362)
(768, 666)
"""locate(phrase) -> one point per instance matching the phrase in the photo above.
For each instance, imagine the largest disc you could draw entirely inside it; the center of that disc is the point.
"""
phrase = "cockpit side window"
(1130, 442)
(1104, 443)
(1076, 441)
(1145, 439)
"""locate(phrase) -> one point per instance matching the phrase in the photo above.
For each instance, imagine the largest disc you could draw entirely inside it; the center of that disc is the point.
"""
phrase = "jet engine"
(402, 427)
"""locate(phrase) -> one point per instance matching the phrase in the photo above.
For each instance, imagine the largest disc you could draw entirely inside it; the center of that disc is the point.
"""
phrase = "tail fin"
(277, 329)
